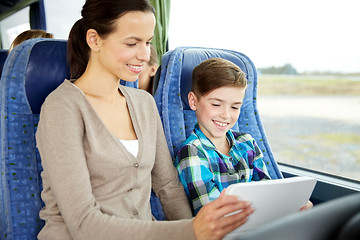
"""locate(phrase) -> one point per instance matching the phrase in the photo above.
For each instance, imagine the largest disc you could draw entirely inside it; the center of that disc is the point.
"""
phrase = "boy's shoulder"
(192, 140)
(194, 144)
(241, 137)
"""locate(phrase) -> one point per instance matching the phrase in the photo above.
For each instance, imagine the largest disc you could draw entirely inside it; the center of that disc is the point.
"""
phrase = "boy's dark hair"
(214, 73)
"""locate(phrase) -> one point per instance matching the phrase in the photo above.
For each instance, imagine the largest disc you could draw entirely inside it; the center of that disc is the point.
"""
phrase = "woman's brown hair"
(100, 16)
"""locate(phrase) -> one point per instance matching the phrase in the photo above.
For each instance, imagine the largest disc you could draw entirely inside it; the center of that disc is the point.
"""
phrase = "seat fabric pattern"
(177, 117)
(24, 86)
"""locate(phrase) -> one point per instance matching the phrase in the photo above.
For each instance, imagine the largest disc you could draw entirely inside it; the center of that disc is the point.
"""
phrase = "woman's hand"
(211, 221)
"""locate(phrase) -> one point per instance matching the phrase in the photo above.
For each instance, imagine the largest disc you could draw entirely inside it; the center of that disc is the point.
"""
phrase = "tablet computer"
(272, 199)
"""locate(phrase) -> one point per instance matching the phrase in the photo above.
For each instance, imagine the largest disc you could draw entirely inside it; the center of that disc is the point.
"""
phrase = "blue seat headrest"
(192, 58)
(47, 68)
(171, 97)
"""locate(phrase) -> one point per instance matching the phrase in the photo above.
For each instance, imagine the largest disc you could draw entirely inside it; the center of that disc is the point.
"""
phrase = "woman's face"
(124, 52)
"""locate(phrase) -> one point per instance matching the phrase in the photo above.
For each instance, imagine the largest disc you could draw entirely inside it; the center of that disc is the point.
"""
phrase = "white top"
(131, 145)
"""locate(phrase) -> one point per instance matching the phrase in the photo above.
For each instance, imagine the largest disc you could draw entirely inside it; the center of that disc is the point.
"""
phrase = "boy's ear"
(93, 39)
(192, 101)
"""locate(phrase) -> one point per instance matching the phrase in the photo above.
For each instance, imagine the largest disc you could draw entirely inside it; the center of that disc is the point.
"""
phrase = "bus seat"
(32, 70)
(3, 56)
(130, 84)
(171, 97)
(333, 220)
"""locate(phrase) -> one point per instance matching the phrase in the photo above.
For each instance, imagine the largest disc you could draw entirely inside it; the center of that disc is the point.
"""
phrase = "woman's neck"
(99, 85)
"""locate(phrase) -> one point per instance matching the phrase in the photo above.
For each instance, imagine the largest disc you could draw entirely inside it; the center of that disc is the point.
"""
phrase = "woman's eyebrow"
(137, 38)
(133, 38)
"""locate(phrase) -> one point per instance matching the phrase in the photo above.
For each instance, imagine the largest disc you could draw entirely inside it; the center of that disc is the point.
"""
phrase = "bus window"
(61, 16)
(307, 56)
(13, 26)
(59, 20)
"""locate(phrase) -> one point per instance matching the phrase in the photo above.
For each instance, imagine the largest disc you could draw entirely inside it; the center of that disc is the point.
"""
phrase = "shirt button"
(135, 212)
(129, 190)
(136, 165)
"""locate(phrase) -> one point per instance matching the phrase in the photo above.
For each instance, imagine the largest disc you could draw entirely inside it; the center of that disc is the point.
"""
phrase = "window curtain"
(37, 15)
(160, 40)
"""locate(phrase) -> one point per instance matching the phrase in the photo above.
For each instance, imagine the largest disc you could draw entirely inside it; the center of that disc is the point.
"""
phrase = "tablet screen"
(272, 199)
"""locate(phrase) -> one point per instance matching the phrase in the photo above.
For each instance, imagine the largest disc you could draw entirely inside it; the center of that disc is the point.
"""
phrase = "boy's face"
(217, 111)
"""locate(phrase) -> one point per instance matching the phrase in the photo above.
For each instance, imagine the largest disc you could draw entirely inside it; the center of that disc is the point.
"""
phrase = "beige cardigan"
(93, 188)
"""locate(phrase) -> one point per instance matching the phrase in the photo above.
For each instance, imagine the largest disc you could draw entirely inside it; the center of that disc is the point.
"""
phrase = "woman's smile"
(135, 68)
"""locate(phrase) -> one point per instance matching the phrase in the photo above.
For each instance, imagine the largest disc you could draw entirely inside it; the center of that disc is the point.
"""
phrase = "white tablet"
(272, 199)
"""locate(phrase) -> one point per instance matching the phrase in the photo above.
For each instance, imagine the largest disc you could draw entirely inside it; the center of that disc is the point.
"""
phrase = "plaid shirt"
(205, 172)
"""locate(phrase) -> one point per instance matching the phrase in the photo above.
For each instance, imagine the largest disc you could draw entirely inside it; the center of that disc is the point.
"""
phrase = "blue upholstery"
(177, 117)
(3, 56)
(130, 84)
(32, 70)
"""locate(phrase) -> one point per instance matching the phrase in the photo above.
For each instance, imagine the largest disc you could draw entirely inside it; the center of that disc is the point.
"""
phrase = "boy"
(213, 157)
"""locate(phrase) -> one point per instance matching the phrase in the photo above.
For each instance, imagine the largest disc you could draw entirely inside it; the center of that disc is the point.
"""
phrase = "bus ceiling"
(8, 7)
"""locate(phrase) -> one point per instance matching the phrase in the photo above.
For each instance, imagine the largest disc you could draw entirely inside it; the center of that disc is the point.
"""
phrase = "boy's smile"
(220, 124)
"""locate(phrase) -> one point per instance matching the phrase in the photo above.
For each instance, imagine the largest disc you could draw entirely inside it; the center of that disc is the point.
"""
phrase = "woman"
(102, 145)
